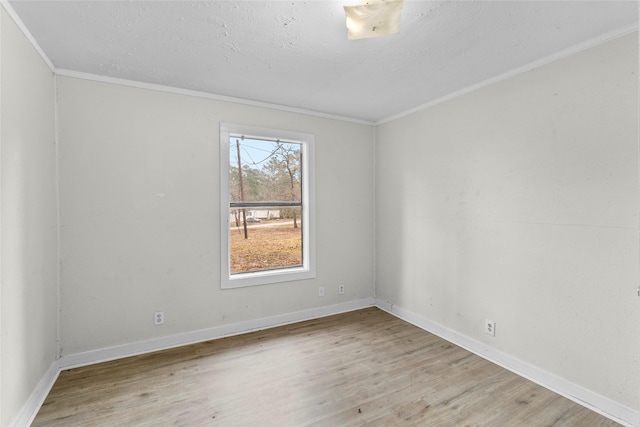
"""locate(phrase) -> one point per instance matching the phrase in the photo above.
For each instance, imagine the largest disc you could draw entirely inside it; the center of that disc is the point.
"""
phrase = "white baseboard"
(163, 343)
(32, 406)
(587, 398)
(605, 406)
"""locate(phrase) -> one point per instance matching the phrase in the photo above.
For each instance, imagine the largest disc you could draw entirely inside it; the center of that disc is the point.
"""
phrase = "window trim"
(308, 268)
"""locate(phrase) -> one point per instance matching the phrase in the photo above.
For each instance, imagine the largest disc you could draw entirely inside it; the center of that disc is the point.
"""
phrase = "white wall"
(140, 215)
(28, 220)
(519, 203)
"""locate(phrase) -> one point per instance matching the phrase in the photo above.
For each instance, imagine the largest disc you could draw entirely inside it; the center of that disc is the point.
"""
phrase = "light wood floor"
(360, 368)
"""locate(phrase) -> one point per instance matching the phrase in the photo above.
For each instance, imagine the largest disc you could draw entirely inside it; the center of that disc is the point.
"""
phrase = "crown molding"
(520, 70)
(14, 16)
(205, 95)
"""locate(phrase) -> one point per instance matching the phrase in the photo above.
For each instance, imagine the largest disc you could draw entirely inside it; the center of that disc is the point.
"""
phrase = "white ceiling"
(296, 53)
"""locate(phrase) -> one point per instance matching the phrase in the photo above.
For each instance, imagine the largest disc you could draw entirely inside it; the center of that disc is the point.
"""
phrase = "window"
(266, 196)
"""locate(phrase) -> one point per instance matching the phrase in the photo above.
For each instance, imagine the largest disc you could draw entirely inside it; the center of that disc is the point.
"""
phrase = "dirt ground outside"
(270, 245)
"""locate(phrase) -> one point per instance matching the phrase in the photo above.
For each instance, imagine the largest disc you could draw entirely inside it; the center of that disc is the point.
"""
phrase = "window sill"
(258, 278)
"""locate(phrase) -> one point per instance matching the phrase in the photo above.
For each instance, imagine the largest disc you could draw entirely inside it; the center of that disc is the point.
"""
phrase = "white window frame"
(308, 268)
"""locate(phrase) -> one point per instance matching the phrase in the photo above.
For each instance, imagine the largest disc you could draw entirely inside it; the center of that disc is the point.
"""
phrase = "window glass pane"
(271, 171)
(274, 239)
(265, 195)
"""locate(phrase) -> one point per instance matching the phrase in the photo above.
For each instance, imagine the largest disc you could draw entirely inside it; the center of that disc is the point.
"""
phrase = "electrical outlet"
(321, 291)
(490, 327)
(341, 289)
(158, 318)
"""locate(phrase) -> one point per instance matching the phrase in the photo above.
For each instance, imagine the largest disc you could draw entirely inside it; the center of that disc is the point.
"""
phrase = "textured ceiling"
(296, 53)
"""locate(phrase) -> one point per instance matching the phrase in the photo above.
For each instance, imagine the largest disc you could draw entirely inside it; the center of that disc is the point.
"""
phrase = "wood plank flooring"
(360, 368)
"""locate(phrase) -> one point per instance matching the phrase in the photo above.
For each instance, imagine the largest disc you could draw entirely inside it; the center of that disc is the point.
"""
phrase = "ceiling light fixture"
(373, 18)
